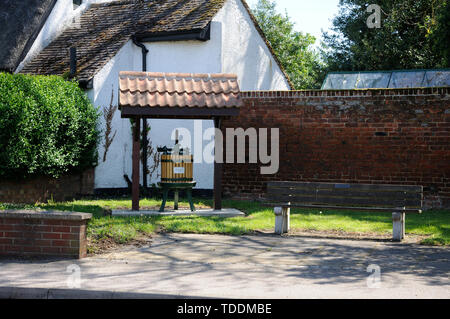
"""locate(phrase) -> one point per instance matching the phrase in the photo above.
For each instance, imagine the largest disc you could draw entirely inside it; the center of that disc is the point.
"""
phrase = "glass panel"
(327, 85)
(373, 80)
(406, 79)
(341, 81)
(437, 78)
(395, 79)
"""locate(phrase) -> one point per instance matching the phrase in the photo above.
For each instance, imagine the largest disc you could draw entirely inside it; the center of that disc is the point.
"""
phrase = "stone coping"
(44, 214)
(226, 212)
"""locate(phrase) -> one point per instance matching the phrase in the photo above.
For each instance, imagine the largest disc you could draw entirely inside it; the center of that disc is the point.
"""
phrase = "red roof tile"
(150, 89)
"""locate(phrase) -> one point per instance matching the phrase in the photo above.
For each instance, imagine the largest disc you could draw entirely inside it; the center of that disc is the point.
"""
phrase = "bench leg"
(165, 195)
(282, 220)
(286, 219)
(175, 205)
(398, 226)
(191, 203)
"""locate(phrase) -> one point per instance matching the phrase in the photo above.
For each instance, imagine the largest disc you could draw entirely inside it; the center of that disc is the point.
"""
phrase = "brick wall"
(41, 189)
(35, 233)
(399, 136)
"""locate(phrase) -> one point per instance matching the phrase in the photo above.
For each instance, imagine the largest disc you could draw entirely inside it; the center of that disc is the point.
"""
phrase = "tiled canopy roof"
(149, 89)
(104, 28)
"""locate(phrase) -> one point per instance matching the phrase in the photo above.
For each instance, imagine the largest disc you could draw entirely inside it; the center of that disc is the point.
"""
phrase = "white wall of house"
(109, 174)
(235, 47)
(245, 53)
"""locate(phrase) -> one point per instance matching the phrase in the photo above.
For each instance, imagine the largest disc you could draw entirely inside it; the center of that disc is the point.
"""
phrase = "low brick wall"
(43, 233)
(41, 189)
(380, 136)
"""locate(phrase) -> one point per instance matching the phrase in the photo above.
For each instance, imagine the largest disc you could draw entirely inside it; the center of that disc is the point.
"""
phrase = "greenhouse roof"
(387, 79)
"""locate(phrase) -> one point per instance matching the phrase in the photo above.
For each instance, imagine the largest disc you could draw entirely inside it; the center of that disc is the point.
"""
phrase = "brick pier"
(43, 233)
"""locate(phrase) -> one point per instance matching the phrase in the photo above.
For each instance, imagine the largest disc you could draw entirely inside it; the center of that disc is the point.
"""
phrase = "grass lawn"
(435, 223)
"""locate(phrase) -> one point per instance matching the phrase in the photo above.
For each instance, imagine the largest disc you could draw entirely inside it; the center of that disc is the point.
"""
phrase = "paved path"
(178, 265)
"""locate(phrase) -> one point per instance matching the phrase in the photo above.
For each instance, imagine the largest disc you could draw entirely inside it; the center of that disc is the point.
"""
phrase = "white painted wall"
(235, 47)
(245, 53)
(109, 174)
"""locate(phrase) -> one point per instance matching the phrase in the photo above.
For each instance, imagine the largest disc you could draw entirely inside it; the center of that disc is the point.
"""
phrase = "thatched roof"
(21, 22)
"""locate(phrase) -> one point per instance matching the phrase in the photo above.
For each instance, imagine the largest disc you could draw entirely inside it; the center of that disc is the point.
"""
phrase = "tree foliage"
(293, 48)
(48, 126)
(413, 34)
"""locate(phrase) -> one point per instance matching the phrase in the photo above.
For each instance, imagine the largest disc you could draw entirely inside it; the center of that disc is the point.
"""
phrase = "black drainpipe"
(144, 121)
(144, 53)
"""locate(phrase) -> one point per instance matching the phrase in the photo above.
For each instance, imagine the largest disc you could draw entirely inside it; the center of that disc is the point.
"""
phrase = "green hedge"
(48, 126)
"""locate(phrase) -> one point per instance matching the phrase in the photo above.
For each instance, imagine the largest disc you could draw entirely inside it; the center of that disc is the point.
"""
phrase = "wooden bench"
(397, 199)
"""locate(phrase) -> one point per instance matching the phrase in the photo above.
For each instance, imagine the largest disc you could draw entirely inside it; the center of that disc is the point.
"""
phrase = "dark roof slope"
(104, 28)
(21, 23)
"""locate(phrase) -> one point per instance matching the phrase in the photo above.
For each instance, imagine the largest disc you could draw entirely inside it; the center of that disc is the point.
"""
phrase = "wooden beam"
(177, 112)
(344, 186)
(136, 160)
(217, 174)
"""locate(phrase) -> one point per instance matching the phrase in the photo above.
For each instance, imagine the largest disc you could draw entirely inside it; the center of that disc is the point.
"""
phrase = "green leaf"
(48, 126)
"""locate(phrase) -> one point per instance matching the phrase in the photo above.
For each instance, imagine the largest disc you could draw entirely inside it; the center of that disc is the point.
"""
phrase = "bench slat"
(344, 200)
(368, 209)
(359, 187)
(343, 192)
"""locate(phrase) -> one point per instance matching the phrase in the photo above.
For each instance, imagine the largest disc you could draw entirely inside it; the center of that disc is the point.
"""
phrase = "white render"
(235, 47)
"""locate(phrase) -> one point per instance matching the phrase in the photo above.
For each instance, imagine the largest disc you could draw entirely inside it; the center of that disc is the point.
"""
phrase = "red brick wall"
(43, 237)
(41, 189)
(399, 136)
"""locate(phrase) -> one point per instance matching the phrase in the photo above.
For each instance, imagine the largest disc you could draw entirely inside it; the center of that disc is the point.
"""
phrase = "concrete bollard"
(282, 220)
(398, 226)
(278, 220)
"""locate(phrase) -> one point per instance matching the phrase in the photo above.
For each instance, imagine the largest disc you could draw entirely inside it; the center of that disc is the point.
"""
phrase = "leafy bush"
(48, 126)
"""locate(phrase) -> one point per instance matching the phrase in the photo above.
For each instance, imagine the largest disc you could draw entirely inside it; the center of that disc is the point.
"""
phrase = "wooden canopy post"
(136, 159)
(217, 171)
